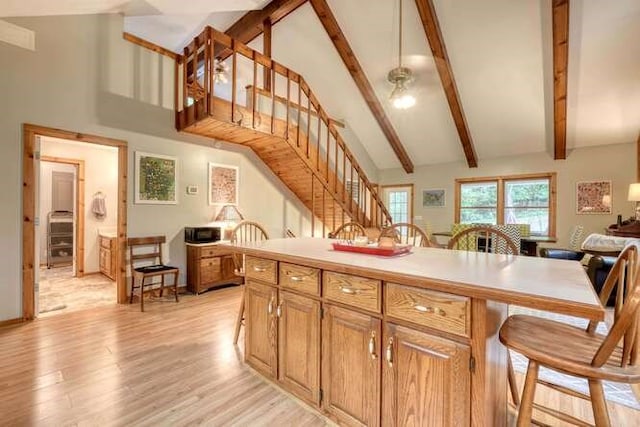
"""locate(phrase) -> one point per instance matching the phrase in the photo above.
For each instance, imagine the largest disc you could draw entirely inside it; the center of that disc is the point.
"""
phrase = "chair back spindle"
(407, 234)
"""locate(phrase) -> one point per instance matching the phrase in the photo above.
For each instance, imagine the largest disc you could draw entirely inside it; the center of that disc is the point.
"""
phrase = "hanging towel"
(98, 207)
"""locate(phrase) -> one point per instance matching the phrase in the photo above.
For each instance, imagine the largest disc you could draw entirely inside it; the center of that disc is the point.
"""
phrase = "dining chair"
(407, 234)
(348, 231)
(148, 251)
(485, 239)
(244, 232)
(582, 352)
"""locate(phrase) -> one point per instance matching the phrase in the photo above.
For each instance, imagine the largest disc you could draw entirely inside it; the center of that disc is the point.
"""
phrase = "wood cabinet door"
(425, 379)
(351, 366)
(299, 346)
(228, 268)
(260, 342)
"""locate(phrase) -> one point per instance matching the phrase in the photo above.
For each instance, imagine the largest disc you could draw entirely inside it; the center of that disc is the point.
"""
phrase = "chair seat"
(564, 348)
(158, 269)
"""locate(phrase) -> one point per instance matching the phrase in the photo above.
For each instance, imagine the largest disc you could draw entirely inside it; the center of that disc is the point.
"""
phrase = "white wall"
(85, 78)
(100, 174)
(612, 162)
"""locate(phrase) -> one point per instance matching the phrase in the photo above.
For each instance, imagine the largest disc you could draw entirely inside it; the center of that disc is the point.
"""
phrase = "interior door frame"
(29, 134)
(79, 207)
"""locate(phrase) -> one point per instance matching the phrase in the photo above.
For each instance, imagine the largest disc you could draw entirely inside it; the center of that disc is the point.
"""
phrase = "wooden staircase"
(291, 132)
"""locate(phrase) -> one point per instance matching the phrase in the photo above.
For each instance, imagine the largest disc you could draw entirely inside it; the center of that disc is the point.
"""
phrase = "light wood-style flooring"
(173, 365)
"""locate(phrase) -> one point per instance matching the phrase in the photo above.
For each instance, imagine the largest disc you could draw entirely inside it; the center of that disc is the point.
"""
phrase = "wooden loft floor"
(312, 160)
(173, 365)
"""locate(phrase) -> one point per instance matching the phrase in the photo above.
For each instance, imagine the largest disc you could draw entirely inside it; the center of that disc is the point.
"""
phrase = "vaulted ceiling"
(500, 54)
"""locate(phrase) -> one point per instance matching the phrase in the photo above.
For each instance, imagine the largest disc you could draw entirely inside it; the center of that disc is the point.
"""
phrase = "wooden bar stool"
(348, 231)
(245, 231)
(408, 234)
(151, 255)
(582, 353)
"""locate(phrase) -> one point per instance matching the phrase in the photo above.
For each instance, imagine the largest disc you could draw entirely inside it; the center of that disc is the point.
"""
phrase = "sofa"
(598, 267)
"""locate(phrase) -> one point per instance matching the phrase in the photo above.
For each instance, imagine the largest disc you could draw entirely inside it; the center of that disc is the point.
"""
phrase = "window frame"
(383, 192)
(500, 207)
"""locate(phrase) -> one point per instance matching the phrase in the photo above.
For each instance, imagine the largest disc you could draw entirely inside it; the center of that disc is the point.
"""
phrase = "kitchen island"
(408, 340)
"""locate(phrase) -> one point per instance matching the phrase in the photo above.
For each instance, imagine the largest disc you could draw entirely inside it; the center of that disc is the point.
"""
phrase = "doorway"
(79, 254)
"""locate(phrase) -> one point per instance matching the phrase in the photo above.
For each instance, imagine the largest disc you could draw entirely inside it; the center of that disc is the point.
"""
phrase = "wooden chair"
(484, 239)
(583, 353)
(407, 234)
(245, 231)
(348, 231)
(139, 251)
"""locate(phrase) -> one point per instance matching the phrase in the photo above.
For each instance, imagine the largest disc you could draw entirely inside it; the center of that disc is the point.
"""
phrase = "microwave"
(202, 234)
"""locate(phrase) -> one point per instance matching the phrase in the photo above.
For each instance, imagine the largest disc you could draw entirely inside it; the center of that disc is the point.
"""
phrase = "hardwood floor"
(171, 365)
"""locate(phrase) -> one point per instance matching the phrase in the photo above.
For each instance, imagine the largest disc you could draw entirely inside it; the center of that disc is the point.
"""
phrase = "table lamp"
(634, 196)
(229, 214)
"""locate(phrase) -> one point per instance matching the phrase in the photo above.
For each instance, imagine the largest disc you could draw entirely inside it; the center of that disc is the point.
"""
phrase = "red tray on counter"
(372, 250)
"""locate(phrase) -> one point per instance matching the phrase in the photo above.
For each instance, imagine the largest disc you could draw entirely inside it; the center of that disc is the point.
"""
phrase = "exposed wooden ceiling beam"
(560, 65)
(339, 40)
(251, 24)
(436, 42)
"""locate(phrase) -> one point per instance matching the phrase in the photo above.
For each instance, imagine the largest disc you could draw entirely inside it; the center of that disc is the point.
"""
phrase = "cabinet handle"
(348, 290)
(390, 353)
(296, 278)
(372, 346)
(428, 309)
(279, 310)
(259, 269)
(270, 306)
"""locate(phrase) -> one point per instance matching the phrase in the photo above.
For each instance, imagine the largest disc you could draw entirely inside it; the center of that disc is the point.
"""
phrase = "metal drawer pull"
(372, 346)
(279, 310)
(259, 269)
(427, 309)
(390, 352)
(270, 306)
(348, 290)
(296, 278)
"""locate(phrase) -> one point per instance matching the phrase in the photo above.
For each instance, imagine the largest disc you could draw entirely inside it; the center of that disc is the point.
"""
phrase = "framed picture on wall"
(593, 197)
(223, 184)
(156, 177)
(433, 198)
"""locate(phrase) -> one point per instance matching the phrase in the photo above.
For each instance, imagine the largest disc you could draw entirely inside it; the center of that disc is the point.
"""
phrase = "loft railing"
(279, 102)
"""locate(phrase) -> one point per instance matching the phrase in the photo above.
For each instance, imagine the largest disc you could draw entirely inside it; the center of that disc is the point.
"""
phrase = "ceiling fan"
(220, 71)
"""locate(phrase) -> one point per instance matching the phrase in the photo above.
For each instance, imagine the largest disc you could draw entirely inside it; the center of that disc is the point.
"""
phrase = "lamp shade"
(229, 213)
(634, 192)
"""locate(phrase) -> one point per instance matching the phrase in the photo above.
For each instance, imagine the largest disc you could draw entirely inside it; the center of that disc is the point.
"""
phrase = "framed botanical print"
(593, 197)
(156, 178)
(223, 184)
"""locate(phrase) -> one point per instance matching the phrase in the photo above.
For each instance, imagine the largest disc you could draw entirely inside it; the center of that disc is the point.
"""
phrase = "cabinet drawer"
(352, 290)
(305, 279)
(210, 270)
(208, 252)
(105, 242)
(437, 310)
(261, 269)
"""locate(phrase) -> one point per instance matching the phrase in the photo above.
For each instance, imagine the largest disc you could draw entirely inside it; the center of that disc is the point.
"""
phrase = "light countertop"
(219, 242)
(548, 284)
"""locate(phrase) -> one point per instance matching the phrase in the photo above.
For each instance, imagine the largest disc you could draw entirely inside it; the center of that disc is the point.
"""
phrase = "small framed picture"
(223, 184)
(593, 197)
(155, 179)
(433, 198)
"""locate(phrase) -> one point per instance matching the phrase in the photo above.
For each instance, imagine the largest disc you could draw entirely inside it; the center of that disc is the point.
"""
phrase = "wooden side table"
(209, 266)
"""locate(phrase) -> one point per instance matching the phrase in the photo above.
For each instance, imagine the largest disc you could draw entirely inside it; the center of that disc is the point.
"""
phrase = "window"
(399, 202)
(518, 199)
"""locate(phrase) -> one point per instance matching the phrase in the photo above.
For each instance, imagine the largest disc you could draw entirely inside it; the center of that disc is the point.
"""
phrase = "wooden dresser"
(208, 266)
(108, 253)
(400, 341)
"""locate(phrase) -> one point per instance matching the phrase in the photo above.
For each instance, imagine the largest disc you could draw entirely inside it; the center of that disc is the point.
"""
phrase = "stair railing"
(304, 124)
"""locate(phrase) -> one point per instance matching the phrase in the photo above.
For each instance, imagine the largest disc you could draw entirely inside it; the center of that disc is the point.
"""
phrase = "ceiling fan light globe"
(404, 102)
